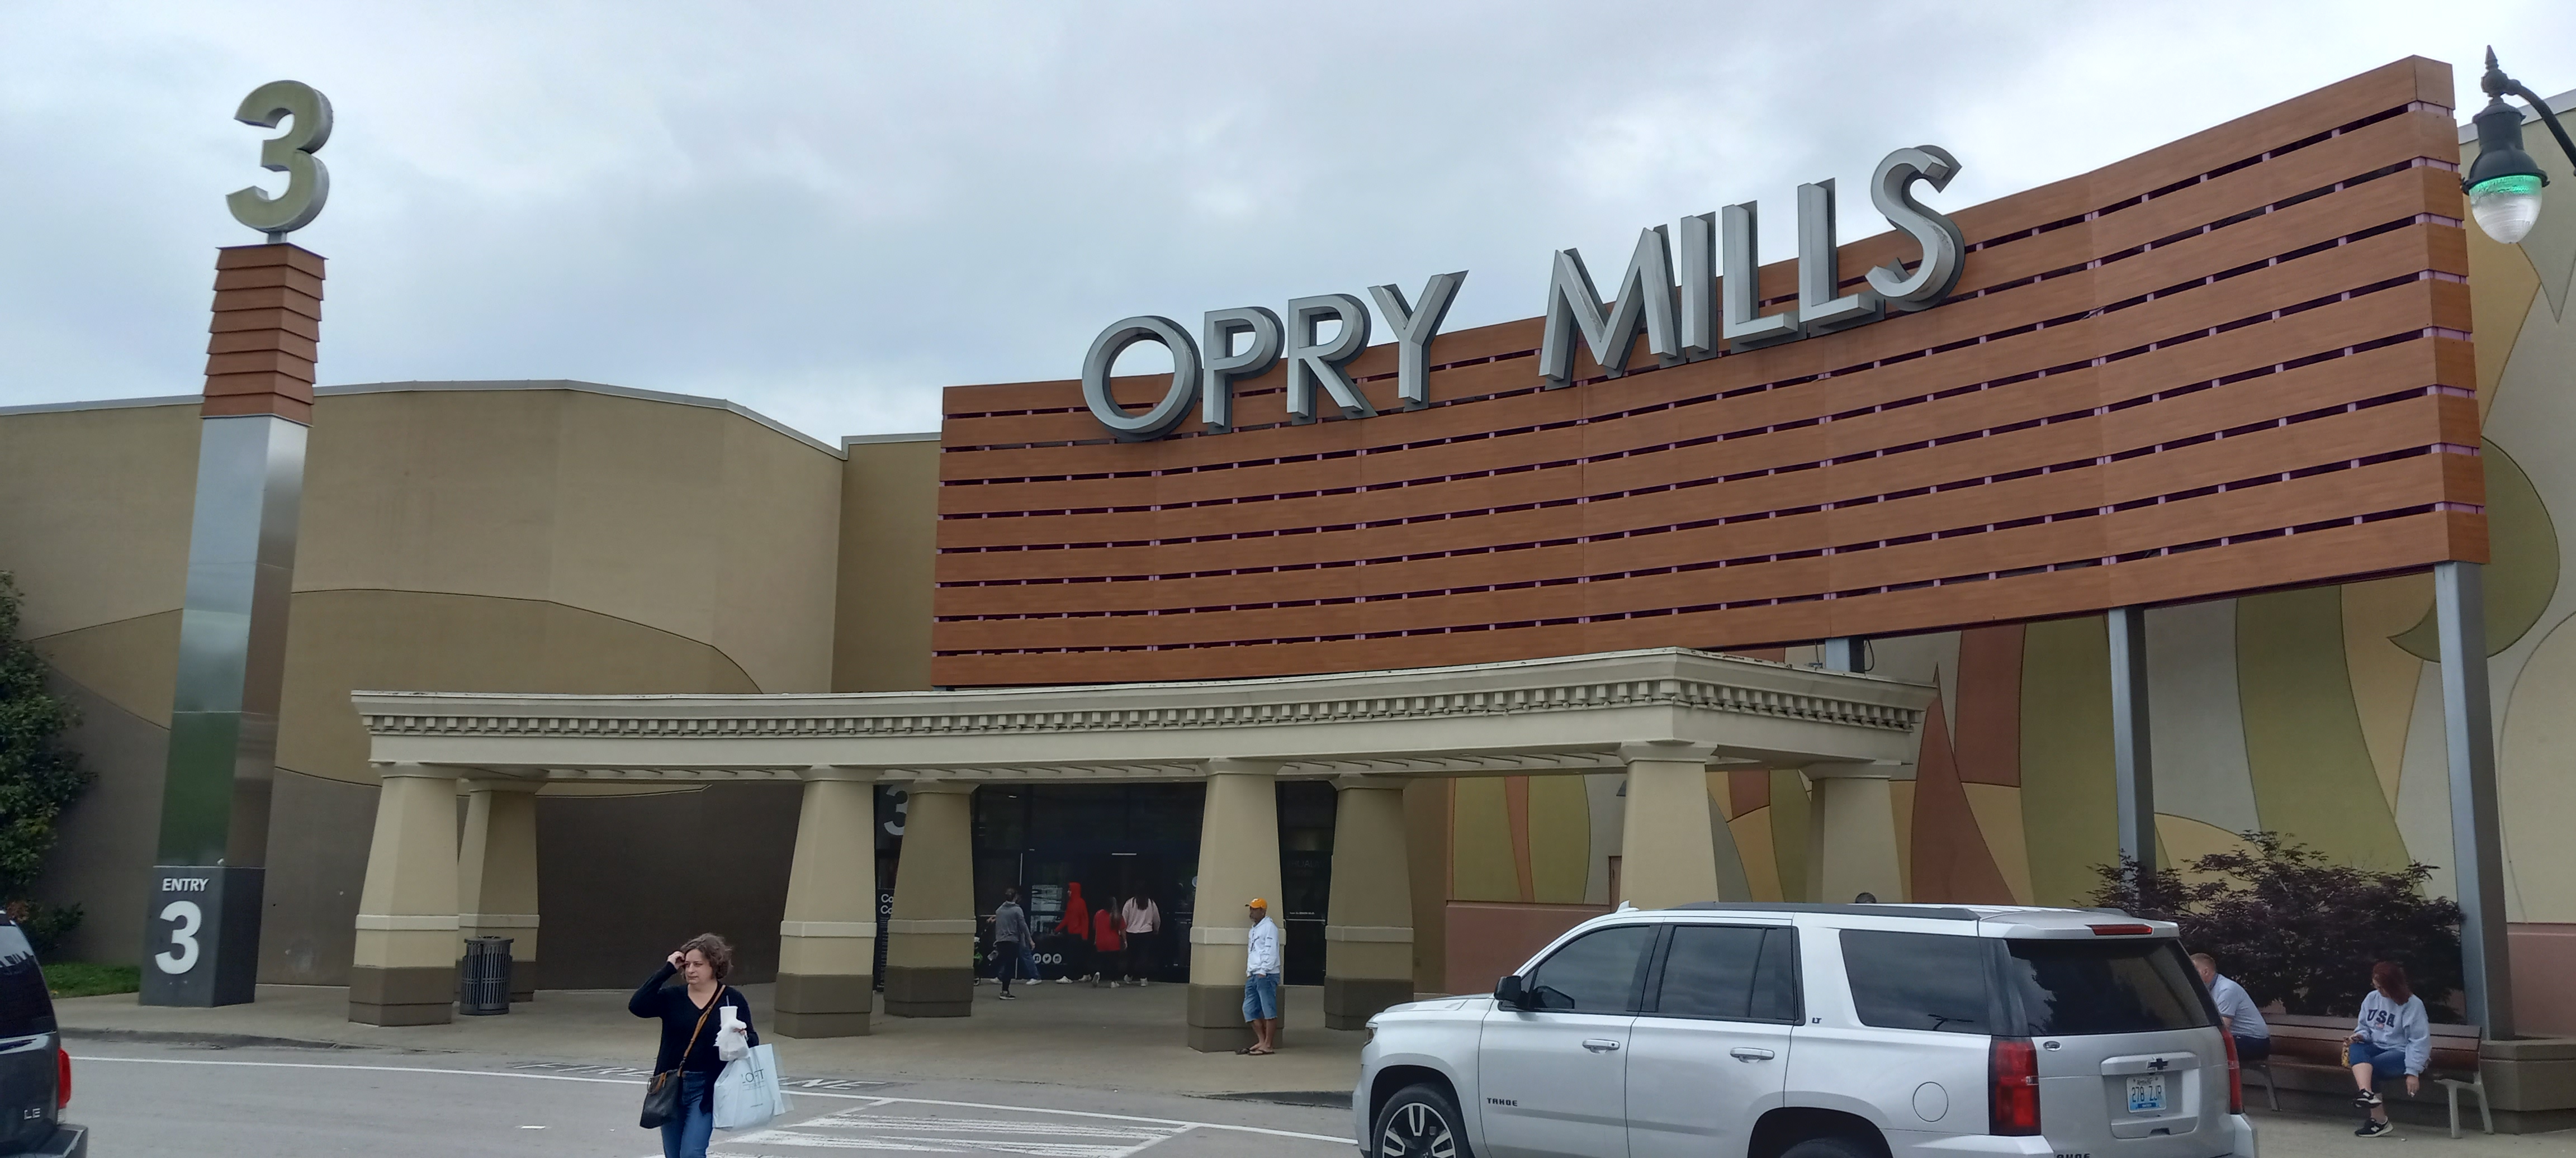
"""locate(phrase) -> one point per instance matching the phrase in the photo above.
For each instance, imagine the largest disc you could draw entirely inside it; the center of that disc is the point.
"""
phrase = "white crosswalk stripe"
(871, 1128)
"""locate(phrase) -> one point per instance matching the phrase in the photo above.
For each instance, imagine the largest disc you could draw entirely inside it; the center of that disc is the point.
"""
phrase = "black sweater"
(680, 1016)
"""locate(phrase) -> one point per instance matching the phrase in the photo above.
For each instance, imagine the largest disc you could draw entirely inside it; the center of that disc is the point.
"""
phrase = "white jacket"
(1261, 949)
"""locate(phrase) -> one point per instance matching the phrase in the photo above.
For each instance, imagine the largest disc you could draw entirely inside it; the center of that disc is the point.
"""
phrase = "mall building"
(1440, 674)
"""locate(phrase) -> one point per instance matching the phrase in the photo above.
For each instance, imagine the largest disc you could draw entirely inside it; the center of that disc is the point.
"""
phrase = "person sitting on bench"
(2236, 1012)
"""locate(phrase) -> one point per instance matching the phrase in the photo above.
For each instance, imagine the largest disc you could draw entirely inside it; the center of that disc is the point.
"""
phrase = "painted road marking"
(871, 1128)
(878, 1100)
(800, 1084)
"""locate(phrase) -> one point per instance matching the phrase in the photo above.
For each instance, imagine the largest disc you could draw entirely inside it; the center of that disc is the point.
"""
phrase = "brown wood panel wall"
(2235, 362)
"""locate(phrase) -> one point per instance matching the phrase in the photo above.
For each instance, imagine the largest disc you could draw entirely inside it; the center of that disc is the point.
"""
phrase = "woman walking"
(690, 1018)
(1108, 943)
(2392, 1035)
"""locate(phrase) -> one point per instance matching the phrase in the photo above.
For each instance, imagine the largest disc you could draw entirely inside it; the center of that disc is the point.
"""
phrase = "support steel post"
(2132, 765)
(2468, 734)
(202, 929)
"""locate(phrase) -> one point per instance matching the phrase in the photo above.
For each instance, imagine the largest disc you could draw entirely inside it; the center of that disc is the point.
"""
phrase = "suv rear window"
(2017, 987)
(2072, 988)
(24, 1007)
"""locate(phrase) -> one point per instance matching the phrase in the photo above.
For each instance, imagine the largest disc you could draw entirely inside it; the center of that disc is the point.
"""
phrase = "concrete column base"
(416, 995)
(929, 991)
(1216, 1019)
(1350, 1001)
(811, 1005)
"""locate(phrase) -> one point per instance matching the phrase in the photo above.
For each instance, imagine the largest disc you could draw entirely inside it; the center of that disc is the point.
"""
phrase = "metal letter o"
(1164, 415)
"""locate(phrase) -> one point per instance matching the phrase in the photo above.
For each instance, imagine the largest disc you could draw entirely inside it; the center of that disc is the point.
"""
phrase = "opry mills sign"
(1682, 321)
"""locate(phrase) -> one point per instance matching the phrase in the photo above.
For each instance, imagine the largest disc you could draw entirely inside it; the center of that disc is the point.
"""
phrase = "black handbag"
(662, 1095)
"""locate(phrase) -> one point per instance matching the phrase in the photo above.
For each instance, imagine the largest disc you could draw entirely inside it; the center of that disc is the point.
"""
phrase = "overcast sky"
(828, 211)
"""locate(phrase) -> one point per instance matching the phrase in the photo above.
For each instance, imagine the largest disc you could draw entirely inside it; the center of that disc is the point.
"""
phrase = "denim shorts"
(2383, 1063)
(1261, 997)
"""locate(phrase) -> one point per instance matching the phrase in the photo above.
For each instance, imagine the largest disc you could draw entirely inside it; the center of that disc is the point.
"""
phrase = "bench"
(2313, 1048)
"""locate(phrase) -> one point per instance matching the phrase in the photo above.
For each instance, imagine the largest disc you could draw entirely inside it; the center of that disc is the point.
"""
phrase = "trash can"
(485, 987)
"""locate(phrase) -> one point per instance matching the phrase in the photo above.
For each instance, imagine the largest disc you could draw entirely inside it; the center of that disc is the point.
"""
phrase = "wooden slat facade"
(2239, 361)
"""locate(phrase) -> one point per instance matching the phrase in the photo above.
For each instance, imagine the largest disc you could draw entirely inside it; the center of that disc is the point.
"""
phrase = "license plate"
(2147, 1094)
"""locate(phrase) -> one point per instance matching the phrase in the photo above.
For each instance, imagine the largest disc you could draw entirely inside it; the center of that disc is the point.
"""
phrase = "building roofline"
(837, 451)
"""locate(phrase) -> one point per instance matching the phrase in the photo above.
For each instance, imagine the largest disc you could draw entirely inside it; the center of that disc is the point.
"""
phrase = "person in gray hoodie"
(2392, 1034)
(1011, 940)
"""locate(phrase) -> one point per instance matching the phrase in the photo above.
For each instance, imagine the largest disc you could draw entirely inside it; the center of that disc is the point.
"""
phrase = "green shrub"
(72, 979)
(38, 778)
(2293, 927)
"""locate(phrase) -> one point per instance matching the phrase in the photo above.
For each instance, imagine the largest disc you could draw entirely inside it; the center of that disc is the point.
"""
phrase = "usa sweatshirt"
(2387, 1025)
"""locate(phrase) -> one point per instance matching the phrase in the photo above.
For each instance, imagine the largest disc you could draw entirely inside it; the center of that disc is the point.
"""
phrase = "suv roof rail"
(1922, 912)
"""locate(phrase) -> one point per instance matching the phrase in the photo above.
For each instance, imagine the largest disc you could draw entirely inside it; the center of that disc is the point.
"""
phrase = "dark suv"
(35, 1073)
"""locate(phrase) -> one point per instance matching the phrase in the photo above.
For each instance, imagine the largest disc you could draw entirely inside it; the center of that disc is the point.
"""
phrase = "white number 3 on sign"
(308, 184)
(183, 940)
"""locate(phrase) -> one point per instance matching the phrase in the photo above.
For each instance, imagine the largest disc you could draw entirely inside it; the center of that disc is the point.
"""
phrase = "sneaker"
(2373, 1128)
(1064, 981)
(1113, 985)
(1142, 982)
(2367, 1099)
(1007, 995)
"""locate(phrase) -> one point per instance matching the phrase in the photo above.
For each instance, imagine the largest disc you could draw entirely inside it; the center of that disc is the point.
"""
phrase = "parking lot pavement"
(149, 1098)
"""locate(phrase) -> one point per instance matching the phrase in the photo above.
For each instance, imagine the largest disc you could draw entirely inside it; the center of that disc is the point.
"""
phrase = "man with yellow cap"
(1261, 980)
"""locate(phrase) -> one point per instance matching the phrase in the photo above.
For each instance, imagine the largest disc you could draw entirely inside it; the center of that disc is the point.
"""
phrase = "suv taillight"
(2012, 1098)
(62, 1078)
(2235, 1076)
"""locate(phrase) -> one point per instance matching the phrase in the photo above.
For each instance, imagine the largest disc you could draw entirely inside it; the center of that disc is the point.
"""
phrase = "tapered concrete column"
(1667, 848)
(496, 873)
(827, 941)
(404, 969)
(1368, 934)
(2477, 848)
(1238, 860)
(930, 950)
(1851, 832)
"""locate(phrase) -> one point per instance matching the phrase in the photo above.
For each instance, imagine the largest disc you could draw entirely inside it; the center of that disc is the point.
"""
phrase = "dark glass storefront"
(1120, 840)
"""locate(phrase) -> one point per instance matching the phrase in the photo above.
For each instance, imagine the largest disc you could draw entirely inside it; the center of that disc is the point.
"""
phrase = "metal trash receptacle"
(485, 986)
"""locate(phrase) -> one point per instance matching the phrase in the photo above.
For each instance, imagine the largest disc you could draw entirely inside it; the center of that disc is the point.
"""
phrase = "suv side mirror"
(1510, 993)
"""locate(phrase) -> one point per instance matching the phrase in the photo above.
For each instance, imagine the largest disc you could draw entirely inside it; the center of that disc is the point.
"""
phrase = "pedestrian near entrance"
(689, 1016)
(1011, 942)
(2392, 1035)
(1074, 934)
(2236, 1012)
(1108, 937)
(1144, 922)
(1261, 980)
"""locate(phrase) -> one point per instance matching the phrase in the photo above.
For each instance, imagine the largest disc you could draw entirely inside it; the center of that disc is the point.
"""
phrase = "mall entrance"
(1116, 841)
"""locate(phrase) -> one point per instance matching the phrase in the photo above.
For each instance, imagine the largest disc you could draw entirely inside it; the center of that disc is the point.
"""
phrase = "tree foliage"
(2293, 927)
(38, 777)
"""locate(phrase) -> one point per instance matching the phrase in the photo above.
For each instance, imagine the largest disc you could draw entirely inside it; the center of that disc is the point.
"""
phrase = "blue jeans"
(1261, 997)
(1012, 957)
(686, 1136)
(2383, 1063)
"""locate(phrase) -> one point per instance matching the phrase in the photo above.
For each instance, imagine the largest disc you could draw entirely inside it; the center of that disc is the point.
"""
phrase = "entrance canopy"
(1664, 716)
(1569, 714)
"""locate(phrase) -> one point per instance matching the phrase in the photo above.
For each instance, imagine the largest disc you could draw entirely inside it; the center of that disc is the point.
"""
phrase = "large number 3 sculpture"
(308, 184)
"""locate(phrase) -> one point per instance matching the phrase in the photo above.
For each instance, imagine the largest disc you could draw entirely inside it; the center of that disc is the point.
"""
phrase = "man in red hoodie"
(1076, 939)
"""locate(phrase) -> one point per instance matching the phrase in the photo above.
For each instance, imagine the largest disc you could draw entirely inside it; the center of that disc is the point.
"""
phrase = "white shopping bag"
(730, 1043)
(747, 1095)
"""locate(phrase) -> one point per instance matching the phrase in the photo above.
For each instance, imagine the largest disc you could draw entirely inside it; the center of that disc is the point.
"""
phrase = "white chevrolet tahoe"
(1817, 1031)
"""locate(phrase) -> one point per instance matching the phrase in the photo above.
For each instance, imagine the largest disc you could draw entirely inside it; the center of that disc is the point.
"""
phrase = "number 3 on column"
(182, 956)
(308, 184)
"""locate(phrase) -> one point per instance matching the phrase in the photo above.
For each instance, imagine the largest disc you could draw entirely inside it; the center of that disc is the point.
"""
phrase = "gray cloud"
(828, 211)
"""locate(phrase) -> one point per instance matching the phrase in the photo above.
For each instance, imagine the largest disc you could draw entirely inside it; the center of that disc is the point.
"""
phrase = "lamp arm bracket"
(2547, 117)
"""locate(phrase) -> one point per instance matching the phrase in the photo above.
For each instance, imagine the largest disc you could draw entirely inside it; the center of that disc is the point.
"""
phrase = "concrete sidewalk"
(1125, 1038)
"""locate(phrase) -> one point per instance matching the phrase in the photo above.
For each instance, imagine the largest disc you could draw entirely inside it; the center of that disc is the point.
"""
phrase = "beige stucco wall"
(889, 533)
(452, 539)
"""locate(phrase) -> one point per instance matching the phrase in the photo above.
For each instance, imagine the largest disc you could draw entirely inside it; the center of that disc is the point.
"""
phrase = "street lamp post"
(2504, 183)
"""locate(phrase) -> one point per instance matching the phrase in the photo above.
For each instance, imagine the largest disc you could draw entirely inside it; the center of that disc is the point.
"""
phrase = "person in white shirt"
(1261, 980)
(2236, 1012)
